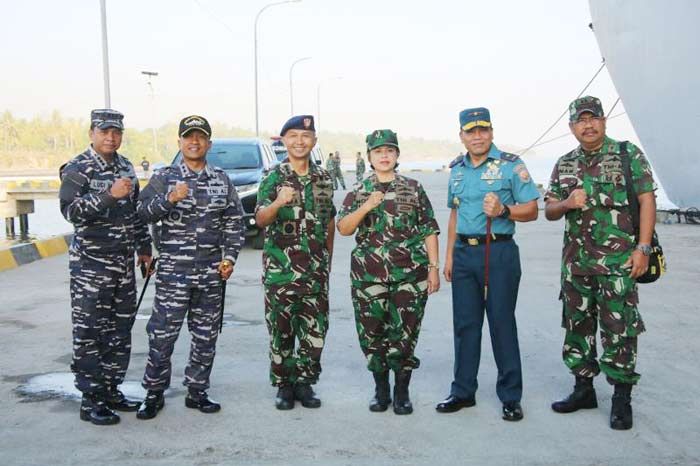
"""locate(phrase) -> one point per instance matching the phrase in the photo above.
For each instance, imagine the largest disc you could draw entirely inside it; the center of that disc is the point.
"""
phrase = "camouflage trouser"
(611, 300)
(173, 301)
(104, 309)
(388, 317)
(292, 315)
(358, 175)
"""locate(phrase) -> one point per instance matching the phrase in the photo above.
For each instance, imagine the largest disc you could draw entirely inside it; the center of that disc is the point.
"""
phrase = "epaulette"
(509, 157)
(457, 160)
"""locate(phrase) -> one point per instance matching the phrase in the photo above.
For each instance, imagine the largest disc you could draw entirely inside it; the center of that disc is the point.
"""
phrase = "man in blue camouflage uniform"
(201, 232)
(98, 196)
(485, 185)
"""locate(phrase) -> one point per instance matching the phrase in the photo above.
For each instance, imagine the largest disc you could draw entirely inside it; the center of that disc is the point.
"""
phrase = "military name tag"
(217, 190)
(100, 185)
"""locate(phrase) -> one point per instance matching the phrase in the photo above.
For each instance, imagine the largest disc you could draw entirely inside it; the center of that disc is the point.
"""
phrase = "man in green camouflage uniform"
(602, 257)
(295, 205)
(330, 168)
(359, 168)
(393, 268)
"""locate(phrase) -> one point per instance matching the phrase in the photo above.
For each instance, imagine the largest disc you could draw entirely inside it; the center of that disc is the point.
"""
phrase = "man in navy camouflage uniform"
(98, 196)
(201, 233)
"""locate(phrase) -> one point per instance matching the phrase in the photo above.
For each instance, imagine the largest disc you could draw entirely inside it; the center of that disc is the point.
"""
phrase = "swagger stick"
(487, 255)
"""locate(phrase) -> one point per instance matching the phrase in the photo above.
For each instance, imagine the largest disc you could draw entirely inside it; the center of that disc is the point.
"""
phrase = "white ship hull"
(651, 51)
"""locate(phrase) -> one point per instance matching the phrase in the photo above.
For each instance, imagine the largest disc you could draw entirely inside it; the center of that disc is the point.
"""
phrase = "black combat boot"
(304, 393)
(115, 399)
(382, 396)
(621, 412)
(153, 403)
(402, 403)
(94, 409)
(583, 397)
(285, 397)
(198, 399)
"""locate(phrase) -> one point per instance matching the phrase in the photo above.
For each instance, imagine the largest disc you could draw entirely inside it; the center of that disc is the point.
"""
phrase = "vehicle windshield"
(234, 156)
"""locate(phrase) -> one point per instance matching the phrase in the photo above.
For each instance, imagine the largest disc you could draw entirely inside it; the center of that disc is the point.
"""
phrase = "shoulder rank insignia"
(457, 161)
(509, 157)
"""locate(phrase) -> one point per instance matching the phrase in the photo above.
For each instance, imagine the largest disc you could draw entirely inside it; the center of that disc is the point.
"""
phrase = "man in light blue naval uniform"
(485, 183)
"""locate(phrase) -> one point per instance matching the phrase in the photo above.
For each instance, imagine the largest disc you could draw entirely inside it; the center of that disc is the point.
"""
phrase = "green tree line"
(48, 142)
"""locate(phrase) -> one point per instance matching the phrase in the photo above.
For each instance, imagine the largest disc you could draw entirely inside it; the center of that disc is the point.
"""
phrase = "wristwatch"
(645, 248)
(506, 212)
(433, 265)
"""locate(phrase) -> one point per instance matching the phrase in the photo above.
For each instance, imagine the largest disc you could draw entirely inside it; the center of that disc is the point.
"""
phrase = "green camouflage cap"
(583, 105)
(381, 137)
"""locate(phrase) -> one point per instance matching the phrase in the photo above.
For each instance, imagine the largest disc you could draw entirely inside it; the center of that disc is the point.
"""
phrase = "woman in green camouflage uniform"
(393, 268)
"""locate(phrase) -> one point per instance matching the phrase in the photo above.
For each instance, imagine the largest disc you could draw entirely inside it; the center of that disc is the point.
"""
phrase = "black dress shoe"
(454, 403)
(285, 398)
(153, 403)
(304, 393)
(94, 409)
(512, 411)
(115, 399)
(198, 399)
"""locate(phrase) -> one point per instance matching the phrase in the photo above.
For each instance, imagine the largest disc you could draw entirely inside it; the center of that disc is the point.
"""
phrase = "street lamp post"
(291, 85)
(255, 53)
(318, 103)
(151, 75)
(105, 53)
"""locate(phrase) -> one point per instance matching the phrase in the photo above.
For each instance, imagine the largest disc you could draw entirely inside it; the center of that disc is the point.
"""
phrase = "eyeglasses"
(585, 121)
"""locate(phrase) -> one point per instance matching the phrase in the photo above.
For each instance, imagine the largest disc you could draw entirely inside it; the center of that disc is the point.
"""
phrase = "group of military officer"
(394, 266)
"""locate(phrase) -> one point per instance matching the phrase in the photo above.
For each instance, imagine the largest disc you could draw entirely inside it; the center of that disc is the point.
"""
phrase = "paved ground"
(43, 428)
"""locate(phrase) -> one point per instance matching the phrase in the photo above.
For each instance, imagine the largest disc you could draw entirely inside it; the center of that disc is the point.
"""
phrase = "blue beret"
(305, 122)
(473, 117)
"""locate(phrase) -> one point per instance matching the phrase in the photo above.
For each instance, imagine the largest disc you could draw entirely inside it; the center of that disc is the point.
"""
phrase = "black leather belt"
(481, 239)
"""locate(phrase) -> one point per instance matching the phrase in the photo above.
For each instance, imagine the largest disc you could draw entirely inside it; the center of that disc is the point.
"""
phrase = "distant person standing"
(199, 221)
(339, 170)
(359, 168)
(394, 267)
(601, 259)
(488, 190)
(330, 168)
(295, 206)
(98, 195)
(145, 164)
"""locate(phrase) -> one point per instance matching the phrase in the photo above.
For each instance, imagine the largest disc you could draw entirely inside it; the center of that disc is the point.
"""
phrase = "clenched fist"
(492, 205)
(121, 188)
(285, 195)
(577, 199)
(374, 200)
(179, 193)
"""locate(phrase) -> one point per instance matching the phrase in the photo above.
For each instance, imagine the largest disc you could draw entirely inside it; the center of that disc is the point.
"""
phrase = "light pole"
(291, 86)
(255, 53)
(318, 103)
(105, 53)
(150, 75)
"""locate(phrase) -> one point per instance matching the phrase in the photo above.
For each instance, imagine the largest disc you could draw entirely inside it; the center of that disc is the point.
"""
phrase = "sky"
(402, 64)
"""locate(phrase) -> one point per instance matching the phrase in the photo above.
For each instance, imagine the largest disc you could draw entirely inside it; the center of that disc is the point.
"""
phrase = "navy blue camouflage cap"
(103, 118)
(382, 137)
(305, 122)
(194, 122)
(472, 117)
(585, 104)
